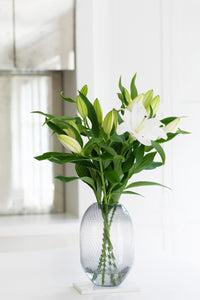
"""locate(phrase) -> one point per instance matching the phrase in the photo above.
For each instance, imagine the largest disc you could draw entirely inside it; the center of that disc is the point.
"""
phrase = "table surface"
(32, 273)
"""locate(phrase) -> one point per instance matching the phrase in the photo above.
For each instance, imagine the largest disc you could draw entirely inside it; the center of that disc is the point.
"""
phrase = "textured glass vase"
(106, 244)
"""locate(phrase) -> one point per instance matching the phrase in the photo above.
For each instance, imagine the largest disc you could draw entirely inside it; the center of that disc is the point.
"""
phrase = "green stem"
(107, 254)
(103, 181)
(87, 127)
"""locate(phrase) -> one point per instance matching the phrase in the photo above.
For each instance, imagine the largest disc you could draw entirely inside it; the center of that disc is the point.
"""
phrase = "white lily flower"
(143, 129)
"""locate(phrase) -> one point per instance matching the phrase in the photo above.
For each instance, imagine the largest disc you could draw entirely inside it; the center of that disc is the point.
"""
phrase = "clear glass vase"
(106, 244)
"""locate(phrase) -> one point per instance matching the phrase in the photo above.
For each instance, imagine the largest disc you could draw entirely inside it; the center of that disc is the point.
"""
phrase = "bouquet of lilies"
(108, 151)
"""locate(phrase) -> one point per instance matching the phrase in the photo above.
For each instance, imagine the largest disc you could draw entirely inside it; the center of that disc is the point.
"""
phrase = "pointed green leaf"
(179, 131)
(120, 85)
(55, 128)
(81, 170)
(89, 181)
(129, 162)
(111, 176)
(119, 118)
(91, 115)
(147, 160)
(91, 144)
(121, 97)
(154, 165)
(139, 155)
(67, 99)
(133, 193)
(122, 89)
(145, 183)
(168, 120)
(160, 150)
(134, 92)
(44, 114)
(108, 149)
(48, 155)
(66, 179)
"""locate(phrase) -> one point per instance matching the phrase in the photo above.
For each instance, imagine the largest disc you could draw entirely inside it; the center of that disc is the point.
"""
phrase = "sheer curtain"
(27, 186)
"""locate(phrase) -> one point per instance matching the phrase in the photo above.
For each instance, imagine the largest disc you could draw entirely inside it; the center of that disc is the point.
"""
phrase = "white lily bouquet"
(119, 145)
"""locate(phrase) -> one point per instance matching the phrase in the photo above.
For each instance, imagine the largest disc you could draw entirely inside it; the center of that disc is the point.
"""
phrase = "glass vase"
(106, 244)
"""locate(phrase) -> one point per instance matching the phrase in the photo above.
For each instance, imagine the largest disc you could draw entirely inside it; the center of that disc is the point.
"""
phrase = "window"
(28, 186)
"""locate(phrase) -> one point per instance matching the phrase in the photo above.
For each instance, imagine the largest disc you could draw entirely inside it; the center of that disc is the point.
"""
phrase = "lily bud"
(138, 99)
(110, 122)
(155, 102)
(81, 106)
(97, 108)
(69, 131)
(127, 95)
(69, 143)
(172, 126)
(71, 122)
(84, 90)
(147, 99)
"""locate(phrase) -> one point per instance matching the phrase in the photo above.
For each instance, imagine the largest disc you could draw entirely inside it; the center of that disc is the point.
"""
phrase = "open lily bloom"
(143, 129)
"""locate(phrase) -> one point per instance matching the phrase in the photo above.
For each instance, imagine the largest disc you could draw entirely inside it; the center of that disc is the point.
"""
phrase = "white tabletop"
(48, 273)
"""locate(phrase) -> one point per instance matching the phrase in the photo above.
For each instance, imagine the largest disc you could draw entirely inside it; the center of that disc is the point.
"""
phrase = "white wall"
(159, 40)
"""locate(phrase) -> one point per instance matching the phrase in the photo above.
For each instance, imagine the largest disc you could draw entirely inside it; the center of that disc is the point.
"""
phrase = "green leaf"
(145, 183)
(121, 97)
(63, 118)
(129, 162)
(154, 165)
(160, 150)
(151, 112)
(121, 86)
(62, 158)
(147, 160)
(44, 114)
(67, 99)
(81, 170)
(85, 179)
(48, 155)
(91, 145)
(66, 179)
(133, 193)
(139, 155)
(89, 181)
(122, 89)
(117, 161)
(115, 197)
(168, 120)
(111, 176)
(55, 128)
(119, 118)
(106, 156)
(170, 136)
(117, 138)
(179, 131)
(91, 115)
(134, 92)
(108, 149)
